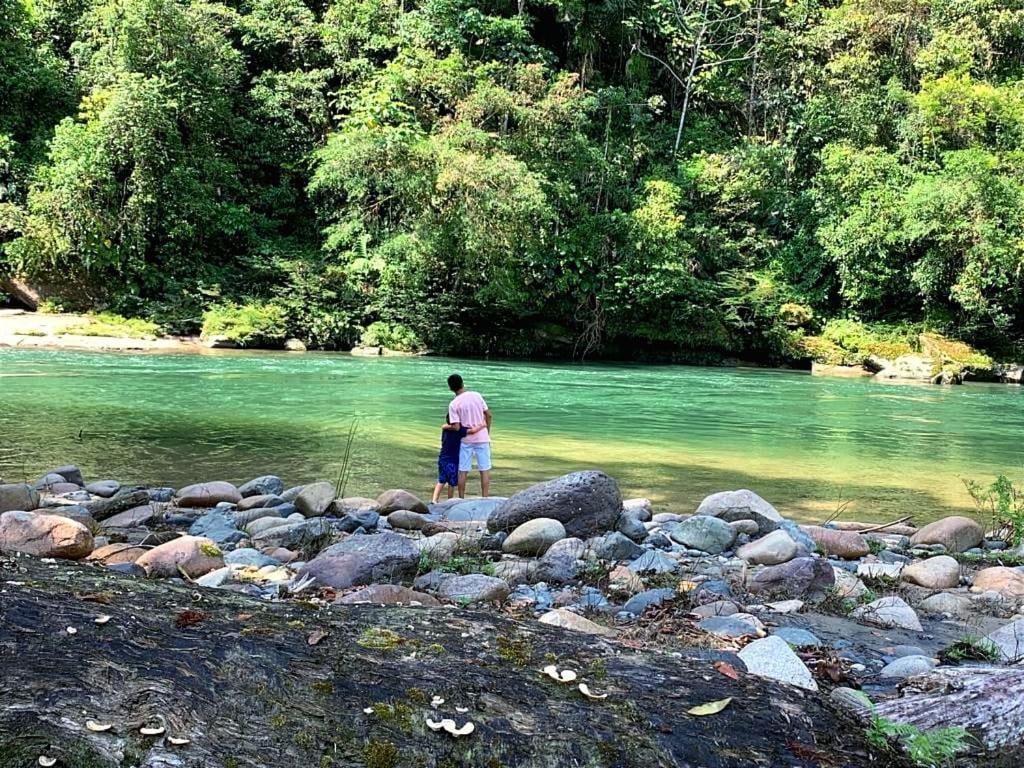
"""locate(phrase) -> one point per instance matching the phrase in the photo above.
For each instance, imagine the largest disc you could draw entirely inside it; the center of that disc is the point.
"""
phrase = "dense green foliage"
(679, 178)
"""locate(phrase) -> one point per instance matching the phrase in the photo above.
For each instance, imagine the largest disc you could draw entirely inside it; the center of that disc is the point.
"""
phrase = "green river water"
(673, 434)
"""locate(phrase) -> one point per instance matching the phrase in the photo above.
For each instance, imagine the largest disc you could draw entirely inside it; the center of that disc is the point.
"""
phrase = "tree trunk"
(250, 684)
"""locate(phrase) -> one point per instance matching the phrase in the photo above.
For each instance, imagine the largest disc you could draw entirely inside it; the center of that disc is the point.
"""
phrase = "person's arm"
(475, 429)
(451, 427)
(454, 420)
(487, 419)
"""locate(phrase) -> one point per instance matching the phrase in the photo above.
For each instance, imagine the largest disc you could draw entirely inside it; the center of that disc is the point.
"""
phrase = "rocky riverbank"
(890, 625)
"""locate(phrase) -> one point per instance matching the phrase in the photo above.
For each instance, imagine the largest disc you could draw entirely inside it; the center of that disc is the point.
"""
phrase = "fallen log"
(302, 684)
(101, 509)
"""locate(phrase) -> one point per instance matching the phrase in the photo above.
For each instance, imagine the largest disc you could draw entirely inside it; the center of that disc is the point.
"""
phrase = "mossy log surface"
(249, 684)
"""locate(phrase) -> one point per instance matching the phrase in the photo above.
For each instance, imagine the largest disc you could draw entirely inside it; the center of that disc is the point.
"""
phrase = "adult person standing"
(468, 409)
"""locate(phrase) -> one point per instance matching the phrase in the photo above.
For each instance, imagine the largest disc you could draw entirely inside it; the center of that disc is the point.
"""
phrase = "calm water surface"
(674, 434)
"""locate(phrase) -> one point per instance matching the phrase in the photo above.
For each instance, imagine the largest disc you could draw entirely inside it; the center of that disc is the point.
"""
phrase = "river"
(674, 434)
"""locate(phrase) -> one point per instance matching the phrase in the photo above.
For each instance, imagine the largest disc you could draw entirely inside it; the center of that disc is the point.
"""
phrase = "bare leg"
(462, 484)
(437, 492)
(485, 482)
(451, 492)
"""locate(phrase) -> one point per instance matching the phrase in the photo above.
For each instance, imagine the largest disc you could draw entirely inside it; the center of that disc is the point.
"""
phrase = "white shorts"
(482, 452)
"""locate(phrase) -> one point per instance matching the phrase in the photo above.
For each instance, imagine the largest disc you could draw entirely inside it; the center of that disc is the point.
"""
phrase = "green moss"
(115, 326)
(516, 650)
(325, 687)
(417, 696)
(379, 639)
(598, 669)
(380, 754)
(395, 713)
(209, 549)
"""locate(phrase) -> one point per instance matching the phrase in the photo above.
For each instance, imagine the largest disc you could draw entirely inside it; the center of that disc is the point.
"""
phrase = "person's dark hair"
(455, 382)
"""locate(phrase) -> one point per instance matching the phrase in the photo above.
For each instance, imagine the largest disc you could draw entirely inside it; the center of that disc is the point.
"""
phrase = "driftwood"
(252, 683)
(987, 701)
(897, 527)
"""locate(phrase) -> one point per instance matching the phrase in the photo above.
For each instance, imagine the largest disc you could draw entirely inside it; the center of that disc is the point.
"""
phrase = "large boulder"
(473, 588)
(207, 494)
(266, 485)
(942, 572)
(586, 503)
(803, 577)
(1008, 582)
(534, 537)
(772, 549)
(315, 499)
(192, 555)
(955, 533)
(703, 532)
(44, 535)
(377, 558)
(18, 497)
(846, 545)
(741, 505)
(396, 499)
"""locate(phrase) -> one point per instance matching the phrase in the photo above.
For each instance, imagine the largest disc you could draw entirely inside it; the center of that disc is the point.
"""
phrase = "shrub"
(116, 326)
(252, 324)
(391, 335)
(1004, 502)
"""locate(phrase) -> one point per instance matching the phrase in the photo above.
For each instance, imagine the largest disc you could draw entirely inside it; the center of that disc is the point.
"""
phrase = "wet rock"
(378, 558)
(534, 537)
(907, 666)
(18, 497)
(1008, 582)
(955, 533)
(398, 499)
(946, 602)
(566, 619)
(772, 549)
(703, 532)
(888, 612)
(307, 535)
(847, 545)
(132, 518)
(614, 546)
(772, 658)
(267, 485)
(44, 535)
(191, 555)
(110, 554)
(473, 588)
(586, 503)
(654, 562)
(942, 572)
(314, 499)
(741, 505)
(388, 594)
(103, 488)
(1009, 639)
(805, 577)
(641, 602)
(797, 637)
(207, 494)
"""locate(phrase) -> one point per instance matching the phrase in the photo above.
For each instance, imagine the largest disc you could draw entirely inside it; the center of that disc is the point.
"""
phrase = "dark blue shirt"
(450, 442)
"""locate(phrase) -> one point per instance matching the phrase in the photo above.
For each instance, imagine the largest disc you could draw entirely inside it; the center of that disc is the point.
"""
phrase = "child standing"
(448, 458)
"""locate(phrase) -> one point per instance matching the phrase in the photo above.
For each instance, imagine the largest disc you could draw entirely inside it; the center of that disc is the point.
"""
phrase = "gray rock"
(654, 562)
(71, 474)
(267, 485)
(215, 579)
(942, 572)
(354, 505)
(1009, 639)
(947, 603)
(158, 495)
(398, 499)
(853, 701)
(741, 505)
(642, 601)
(290, 494)
(131, 518)
(18, 497)
(207, 494)
(804, 542)
(405, 520)
(888, 612)
(631, 527)
(249, 556)
(615, 546)
(218, 526)
(103, 488)
(315, 499)
(797, 637)
(534, 537)
(244, 518)
(473, 588)
(703, 532)
(772, 658)
(262, 524)
(746, 527)
(307, 535)
(804, 577)
(440, 547)
(516, 572)
(262, 501)
(586, 503)
(907, 666)
(378, 558)
(641, 509)
(955, 533)
(48, 481)
(771, 549)
(728, 627)
(368, 520)
(560, 563)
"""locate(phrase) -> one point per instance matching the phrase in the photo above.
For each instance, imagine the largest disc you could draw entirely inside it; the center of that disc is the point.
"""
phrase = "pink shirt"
(468, 409)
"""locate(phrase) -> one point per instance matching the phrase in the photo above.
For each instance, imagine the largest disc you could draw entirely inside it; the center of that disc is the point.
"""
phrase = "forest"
(644, 179)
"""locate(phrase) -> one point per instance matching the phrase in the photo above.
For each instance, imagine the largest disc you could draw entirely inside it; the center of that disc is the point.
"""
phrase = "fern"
(927, 749)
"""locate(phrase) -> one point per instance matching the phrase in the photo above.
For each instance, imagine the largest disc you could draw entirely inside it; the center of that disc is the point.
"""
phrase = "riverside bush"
(252, 324)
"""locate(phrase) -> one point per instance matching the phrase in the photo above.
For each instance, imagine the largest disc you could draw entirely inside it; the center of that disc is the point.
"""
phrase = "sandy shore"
(36, 330)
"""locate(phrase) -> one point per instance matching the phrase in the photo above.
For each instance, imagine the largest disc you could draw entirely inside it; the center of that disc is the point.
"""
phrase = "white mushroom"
(465, 730)
(178, 741)
(96, 727)
(462, 710)
(565, 676)
(436, 702)
(72, 631)
(437, 726)
(102, 619)
(585, 690)
(46, 762)
(152, 730)
(368, 711)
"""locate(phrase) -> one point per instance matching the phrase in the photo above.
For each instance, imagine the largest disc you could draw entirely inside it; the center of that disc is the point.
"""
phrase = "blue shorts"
(448, 472)
(482, 452)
